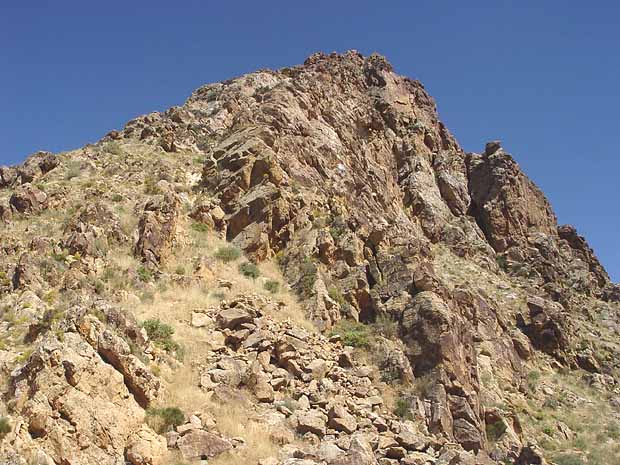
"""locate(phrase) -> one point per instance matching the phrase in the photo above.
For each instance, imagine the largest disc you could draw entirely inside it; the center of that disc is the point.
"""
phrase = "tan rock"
(199, 444)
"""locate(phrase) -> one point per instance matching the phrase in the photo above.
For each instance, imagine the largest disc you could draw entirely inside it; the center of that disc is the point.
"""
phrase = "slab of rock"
(200, 320)
(232, 317)
(199, 444)
(145, 447)
(341, 420)
(312, 421)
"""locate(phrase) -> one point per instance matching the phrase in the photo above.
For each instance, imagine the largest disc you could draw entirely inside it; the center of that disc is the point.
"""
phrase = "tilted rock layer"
(341, 171)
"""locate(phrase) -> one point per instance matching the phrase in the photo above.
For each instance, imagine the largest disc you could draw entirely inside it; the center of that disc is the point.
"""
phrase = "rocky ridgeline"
(493, 327)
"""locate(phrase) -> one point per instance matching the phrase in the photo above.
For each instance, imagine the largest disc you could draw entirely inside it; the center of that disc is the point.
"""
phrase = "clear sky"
(542, 76)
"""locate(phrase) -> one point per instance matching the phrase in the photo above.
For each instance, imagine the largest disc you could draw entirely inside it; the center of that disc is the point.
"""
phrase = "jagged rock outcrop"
(157, 229)
(440, 280)
(28, 199)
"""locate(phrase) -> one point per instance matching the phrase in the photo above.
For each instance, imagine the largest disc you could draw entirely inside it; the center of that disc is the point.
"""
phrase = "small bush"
(200, 227)
(402, 409)
(495, 430)
(228, 253)
(73, 170)
(272, 286)
(117, 198)
(335, 294)
(157, 330)
(249, 270)
(532, 379)
(164, 419)
(386, 326)
(180, 270)
(144, 274)
(613, 431)
(353, 333)
(5, 427)
(161, 334)
(150, 186)
(338, 228)
(309, 274)
(114, 148)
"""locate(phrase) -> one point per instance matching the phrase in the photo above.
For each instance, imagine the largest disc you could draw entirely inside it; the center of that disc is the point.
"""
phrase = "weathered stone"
(198, 444)
(28, 199)
(231, 318)
(311, 421)
(157, 229)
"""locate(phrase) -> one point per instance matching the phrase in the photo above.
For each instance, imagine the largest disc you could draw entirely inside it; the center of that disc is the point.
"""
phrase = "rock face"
(447, 304)
(156, 230)
(61, 388)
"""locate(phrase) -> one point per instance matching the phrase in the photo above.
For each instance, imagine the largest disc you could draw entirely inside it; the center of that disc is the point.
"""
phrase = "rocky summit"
(299, 267)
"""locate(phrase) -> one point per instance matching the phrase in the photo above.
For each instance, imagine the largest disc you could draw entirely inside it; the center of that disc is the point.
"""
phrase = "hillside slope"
(299, 266)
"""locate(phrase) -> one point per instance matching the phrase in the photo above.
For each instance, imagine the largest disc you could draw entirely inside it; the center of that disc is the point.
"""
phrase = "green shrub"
(228, 253)
(144, 274)
(613, 431)
(117, 198)
(272, 286)
(249, 270)
(402, 409)
(335, 294)
(5, 427)
(114, 148)
(150, 186)
(180, 270)
(200, 227)
(161, 334)
(157, 330)
(309, 273)
(338, 228)
(385, 326)
(164, 419)
(353, 333)
(532, 379)
(73, 170)
(495, 430)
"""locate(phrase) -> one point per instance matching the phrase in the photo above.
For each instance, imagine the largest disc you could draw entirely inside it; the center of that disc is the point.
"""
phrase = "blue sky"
(541, 76)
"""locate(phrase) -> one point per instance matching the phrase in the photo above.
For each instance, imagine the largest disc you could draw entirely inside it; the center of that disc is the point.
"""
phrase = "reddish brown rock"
(28, 199)
(157, 229)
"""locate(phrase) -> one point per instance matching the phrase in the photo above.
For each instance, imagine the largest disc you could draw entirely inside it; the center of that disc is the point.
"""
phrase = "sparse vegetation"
(249, 270)
(161, 334)
(228, 253)
(150, 186)
(144, 274)
(272, 286)
(164, 419)
(402, 409)
(114, 148)
(353, 333)
(385, 326)
(73, 170)
(568, 459)
(200, 227)
(5, 427)
(495, 430)
(309, 273)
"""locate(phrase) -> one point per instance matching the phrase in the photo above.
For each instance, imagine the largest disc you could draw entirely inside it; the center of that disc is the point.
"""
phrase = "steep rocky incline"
(400, 301)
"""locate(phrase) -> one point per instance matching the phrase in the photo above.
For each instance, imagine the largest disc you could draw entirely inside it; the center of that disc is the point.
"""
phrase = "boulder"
(144, 447)
(28, 199)
(200, 444)
(157, 229)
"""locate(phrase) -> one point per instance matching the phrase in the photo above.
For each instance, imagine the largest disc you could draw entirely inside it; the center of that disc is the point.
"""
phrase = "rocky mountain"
(300, 267)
